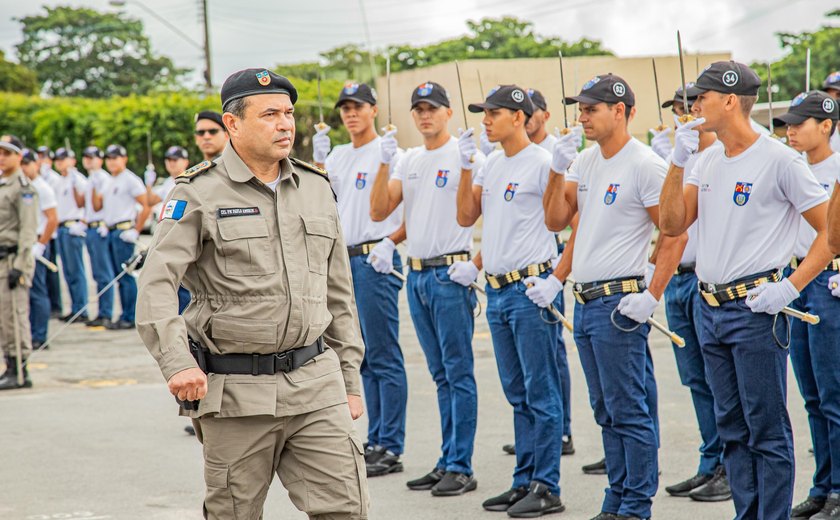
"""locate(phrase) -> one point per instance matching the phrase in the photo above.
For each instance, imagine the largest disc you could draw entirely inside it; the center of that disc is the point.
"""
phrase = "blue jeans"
(71, 249)
(39, 302)
(747, 372)
(814, 353)
(53, 279)
(682, 307)
(103, 271)
(525, 345)
(565, 376)
(383, 368)
(121, 252)
(184, 298)
(442, 314)
(622, 391)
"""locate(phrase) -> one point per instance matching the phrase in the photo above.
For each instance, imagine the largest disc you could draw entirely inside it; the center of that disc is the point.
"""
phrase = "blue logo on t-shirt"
(442, 177)
(511, 190)
(612, 193)
(361, 180)
(742, 193)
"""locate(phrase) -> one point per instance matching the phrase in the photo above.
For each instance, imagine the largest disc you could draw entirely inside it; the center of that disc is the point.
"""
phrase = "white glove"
(78, 229)
(388, 146)
(464, 272)
(638, 306)
(38, 249)
(321, 143)
(543, 291)
(771, 297)
(686, 142)
(486, 146)
(467, 148)
(103, 231)
(381, 257)
(130, 236)
(649, 273)
(566, 150)
(661, 143)
(834, 285)
(149, 176)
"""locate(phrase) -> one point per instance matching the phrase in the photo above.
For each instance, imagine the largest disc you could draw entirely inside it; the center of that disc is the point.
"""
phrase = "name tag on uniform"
(237, 212)
(28, 198)
(174, 209)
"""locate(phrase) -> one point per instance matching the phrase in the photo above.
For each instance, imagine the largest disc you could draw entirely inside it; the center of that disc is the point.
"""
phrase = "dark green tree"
(86, 53)
(789, 72)
(16, 78)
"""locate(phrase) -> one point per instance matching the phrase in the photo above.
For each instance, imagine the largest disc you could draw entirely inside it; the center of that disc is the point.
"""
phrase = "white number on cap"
(619, 89)
(828, 105)
(730, 78)
(517, 96)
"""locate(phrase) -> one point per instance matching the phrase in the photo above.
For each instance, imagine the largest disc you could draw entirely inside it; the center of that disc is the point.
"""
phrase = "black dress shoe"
(427, 481)
(715, 490)
(189, 429)
(510, 449)
(98, 322)
(372, 454)
(808, 508)
(504, 501)
(568, 446)
(387, 462)
(686, 486)
(120, 325)
(539, 501)
(596, 468)
(831, 509)
(454, 484)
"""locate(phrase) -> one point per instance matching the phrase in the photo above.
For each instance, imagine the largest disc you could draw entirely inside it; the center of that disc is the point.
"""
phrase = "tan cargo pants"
(8, 319)
(317, 456)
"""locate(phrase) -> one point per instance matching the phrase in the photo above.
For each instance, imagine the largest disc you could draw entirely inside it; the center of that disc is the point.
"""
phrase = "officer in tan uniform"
(18, 230)
(254, 236)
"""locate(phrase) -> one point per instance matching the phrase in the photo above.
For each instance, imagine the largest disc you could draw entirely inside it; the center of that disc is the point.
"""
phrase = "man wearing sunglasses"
(210, 134)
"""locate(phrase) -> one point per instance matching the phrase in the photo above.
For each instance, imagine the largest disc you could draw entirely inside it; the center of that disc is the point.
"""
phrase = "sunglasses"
(211, 131)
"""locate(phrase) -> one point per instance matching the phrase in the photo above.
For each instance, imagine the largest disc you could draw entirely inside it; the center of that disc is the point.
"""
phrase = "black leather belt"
(586, 292)
(418, 264)
(685, 268)
(716, 294)
(262, 364)
(362, 249)
(6, 251)
(497, 281)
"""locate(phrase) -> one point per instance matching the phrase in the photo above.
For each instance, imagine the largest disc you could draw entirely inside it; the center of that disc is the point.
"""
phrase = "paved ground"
(99, 438)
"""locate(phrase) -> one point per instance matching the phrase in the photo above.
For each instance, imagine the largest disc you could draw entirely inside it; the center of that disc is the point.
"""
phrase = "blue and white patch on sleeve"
(28, 198)
(174, 209)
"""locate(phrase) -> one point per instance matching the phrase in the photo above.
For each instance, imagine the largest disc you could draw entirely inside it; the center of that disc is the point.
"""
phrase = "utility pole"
(208, 76)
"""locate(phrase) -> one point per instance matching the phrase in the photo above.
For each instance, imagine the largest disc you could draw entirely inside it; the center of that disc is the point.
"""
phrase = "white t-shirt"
(514, 232)
(91, 214)
(547, 144)
(835, 140)
(46, 200)
(352, 173)
(748, 208)
(119, 201)
(758, 127)
(430, 187)
(613, 237)
(690, 253)
(827, 173)
(66, 198)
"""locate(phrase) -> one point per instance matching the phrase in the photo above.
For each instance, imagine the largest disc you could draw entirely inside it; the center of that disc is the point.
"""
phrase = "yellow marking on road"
(481, 335)
(37, 366)
(105, 383)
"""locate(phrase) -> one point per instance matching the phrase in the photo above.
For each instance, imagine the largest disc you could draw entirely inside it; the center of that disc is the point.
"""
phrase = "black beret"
(252, 82)
(211, 115)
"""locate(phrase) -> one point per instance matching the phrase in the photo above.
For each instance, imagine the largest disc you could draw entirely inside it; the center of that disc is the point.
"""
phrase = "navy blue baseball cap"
(729, 77)
(176, 152)
(511, 97)
(92, 151)
(806, 105)
(358, 92)
(607, 88)
(115, 150)
(431, 93)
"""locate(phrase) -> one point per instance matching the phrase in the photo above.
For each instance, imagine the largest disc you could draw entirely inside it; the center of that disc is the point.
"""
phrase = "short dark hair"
(627, 110)
(747, 103)
(237, 107)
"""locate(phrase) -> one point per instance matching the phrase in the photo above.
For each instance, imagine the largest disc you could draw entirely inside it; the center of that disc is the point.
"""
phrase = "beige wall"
(544, 75)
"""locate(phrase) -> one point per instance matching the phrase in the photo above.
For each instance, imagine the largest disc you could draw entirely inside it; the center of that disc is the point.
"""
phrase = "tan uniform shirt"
(267, 271)
(19, 219)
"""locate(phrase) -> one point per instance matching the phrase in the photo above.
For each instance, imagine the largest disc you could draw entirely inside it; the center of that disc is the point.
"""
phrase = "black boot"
(9, 379)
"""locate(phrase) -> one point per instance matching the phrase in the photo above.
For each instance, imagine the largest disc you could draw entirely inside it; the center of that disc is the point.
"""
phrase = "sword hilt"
(320, 126)
(661, 128)
(686, 118)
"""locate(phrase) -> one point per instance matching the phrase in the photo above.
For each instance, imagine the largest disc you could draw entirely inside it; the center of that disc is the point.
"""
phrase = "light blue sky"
(251, 33)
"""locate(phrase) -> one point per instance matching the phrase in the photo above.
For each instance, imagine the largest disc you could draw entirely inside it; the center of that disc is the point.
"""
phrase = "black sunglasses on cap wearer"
(211, 131)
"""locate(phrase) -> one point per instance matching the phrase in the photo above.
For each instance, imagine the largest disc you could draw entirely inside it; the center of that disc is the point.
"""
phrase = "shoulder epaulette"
(24, 180)
(310, 167)
(199, 168)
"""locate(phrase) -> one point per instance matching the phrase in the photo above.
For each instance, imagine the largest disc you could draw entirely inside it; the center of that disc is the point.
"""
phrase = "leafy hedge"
(126, 120)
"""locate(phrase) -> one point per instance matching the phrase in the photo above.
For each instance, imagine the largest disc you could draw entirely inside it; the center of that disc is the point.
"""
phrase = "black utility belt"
(717, 294)
(6, 251)
(122, 226)
(418, 264)
(261, 364)
(685, 268)
(834, 265)
(363, 249)
(586, 292)
(497, 281)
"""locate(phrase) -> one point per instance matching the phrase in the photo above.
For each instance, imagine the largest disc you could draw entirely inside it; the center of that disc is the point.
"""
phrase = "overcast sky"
(263, 33)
